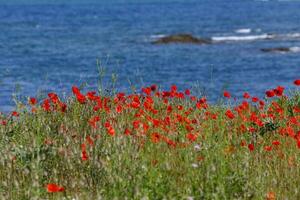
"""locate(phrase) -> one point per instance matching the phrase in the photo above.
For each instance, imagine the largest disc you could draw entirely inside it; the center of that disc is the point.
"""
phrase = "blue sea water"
(52, 46)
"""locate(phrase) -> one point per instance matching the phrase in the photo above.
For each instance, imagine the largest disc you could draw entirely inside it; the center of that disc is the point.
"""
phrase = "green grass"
(42, 147)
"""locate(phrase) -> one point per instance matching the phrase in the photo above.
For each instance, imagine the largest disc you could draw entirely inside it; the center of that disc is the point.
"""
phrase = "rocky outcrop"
(181, 38)
(276, 49)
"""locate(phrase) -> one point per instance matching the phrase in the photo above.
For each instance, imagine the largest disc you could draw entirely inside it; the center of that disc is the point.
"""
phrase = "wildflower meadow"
(152, 144)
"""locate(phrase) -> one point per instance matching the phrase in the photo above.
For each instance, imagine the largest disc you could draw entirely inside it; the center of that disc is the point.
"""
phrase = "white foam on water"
(243, 38)
(295, 49)
(232, 38)
(157, 36)
(243, 30)
(293, 35)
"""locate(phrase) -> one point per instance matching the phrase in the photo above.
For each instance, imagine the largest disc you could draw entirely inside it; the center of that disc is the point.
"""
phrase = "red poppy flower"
(119, 109)
(32, 101)
(51, 187)
(80, 98)
(91, 95)
(135, 104)
(63, 107)
(75, 90)
(147, 91)
(251, 147)
(84, 155)
(180, 95)
(268, 148)
(187, 92)
(173, 88)
(193, 98)
(155, 137)
(127, 132)
(270, 93)
(121, 95)
(279, 91)
(297, 82)
(227, 94)
(169, 109)
(15, 114)
(153, 87)
(276, 143)
(111, 131)
(53, 97)
(46, 105)
(136, 124)
(229, 114)
(261, 103)
(191, 137)
(255, 99)
(290, 131)
(202, 100)
(246, 95)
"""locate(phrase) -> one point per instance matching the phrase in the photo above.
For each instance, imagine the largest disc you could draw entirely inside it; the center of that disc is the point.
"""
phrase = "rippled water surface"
(51, 47)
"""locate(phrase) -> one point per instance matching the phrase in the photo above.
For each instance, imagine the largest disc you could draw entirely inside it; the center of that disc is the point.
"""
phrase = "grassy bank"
(152, 145)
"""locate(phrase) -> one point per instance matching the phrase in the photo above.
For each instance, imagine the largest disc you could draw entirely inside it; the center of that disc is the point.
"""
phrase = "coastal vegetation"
(152, 144)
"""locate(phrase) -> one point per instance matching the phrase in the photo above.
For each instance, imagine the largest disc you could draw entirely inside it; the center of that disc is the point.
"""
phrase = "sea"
(49, 46)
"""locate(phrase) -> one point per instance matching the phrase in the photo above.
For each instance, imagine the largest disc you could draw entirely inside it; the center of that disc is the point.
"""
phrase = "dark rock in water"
(182, 38)
(277, 49)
